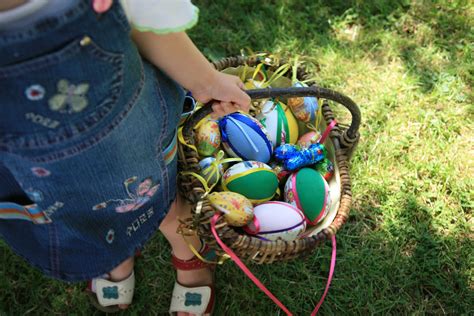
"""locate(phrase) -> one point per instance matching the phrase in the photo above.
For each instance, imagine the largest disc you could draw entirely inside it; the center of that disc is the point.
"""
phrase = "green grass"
(408, 245)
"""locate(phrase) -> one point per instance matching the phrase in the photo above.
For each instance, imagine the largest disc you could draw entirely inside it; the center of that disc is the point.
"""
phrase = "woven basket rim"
(249, 247)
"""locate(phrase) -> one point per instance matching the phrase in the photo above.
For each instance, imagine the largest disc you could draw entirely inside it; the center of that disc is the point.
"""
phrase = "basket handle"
(312, 91)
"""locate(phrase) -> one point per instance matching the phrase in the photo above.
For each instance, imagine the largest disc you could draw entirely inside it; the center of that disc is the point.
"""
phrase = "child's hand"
(177, 56)
(228, 93)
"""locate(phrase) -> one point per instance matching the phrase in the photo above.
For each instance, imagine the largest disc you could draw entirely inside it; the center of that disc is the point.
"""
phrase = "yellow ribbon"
(182, 141)
(243, 74)
(214, 166)
(201, 179)
(294, 77)
(258, 70)
(214, 169)
(277, 74)
(220, 260)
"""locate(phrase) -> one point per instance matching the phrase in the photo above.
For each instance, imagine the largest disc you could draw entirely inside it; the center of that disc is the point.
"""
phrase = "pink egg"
(277, 220)
(308, 139)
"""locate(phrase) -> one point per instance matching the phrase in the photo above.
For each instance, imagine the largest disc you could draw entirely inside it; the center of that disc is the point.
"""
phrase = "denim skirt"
(87, 143)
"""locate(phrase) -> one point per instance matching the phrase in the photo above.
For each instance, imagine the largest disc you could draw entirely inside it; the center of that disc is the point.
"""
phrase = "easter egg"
(308, 191)
(207, 136)
(210, 172)
(237, 209)
(305, 109)
(325, 168)
(243, 136)
(279, 170)
(277, 220)
(281, 125)
(253, 179)
(253, 84)
(308, 139)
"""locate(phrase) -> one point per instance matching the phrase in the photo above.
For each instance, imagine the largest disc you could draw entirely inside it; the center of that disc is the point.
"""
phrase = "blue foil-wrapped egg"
(294, 158)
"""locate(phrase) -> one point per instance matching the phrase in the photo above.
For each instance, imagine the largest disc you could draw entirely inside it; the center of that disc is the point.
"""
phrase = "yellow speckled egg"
(208, 137)
(237, 209)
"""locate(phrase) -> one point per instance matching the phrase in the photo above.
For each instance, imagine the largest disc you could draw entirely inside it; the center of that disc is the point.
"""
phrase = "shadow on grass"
(391, 260)
(226, 28)
(401, 264)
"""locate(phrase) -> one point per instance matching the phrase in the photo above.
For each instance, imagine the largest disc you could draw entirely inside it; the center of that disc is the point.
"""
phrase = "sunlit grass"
(408, 245)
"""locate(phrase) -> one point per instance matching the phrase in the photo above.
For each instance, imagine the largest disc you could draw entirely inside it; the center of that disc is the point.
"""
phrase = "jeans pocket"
(55, 97)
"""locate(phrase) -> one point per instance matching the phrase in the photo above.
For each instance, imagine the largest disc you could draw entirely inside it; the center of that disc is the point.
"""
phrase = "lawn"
(408, 245)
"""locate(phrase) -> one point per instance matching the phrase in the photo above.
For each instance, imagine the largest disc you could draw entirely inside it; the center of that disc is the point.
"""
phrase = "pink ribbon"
(256, 223)
(259, 284)
(331, 273)
(326, 131)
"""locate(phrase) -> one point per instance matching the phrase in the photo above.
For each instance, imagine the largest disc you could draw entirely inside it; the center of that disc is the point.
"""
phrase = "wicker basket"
(340, 144)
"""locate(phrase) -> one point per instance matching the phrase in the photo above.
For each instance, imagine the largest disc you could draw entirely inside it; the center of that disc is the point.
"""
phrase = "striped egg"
(279, 122)
(308, 191)
(243, 136)
(276, 220)
(253, 179)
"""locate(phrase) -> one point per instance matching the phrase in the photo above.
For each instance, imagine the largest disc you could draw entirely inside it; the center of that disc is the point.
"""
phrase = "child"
(88, 136)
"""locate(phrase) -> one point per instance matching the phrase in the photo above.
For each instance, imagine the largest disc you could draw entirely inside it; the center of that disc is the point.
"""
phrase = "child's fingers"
(242, 99)
(222, 108)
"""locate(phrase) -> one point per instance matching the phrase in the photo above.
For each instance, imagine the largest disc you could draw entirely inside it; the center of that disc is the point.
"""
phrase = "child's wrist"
(205, 82)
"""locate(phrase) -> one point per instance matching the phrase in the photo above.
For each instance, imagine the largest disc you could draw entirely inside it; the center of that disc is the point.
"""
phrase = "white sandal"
(199, 300)
(106, 295)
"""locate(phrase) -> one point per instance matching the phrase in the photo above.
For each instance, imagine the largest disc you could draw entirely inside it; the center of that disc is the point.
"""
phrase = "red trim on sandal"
(196, 264)
(192, 264)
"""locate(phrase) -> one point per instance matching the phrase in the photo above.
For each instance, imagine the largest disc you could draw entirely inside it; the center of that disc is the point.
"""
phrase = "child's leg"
(179, 209)
(121, 272)
(180, 248)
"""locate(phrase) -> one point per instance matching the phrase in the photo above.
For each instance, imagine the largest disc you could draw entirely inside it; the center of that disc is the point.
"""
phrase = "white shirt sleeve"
(161, 16)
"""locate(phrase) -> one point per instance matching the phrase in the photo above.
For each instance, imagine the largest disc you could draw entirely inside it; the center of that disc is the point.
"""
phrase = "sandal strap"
(195, 263)
(194, 300)
(114, 293)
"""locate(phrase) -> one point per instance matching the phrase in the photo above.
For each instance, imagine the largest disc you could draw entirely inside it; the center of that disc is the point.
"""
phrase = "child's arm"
(176, 55)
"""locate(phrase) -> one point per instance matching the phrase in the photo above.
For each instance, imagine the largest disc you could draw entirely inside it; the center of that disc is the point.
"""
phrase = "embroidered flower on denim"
(110, 236)
(40, 172)
(34, 195)
(70, 97)
(143, 193)
(35, 92)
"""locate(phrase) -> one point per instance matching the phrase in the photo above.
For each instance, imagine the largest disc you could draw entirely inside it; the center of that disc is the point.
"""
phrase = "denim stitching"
(45, 25)
(85, 123)
(120, 17)
(53, 249)
(61, 55)
(163, 169)
(93, 140)
(130, 253)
